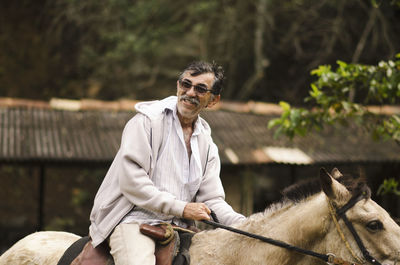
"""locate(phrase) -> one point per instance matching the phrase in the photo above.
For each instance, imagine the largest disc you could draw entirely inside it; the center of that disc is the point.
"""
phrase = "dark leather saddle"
(172, 248)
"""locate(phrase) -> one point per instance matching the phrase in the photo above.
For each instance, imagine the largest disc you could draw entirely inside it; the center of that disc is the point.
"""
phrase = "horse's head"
(379, 234)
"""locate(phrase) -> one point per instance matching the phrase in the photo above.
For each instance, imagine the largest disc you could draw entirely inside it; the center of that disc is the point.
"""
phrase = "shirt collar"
(198, 126)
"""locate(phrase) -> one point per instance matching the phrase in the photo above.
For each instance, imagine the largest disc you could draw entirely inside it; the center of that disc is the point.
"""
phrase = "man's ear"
(334, 190)
(214, 100)
(177, 87)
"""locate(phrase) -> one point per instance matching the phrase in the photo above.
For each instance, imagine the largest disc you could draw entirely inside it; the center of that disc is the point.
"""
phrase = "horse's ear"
(336, 173)
(332, 188)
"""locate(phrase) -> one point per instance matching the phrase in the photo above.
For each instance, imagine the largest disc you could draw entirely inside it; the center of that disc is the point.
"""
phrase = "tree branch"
(364, 36)
(260, 61)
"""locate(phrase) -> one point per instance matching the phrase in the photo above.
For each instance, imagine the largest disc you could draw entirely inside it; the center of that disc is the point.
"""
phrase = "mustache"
(191, 99)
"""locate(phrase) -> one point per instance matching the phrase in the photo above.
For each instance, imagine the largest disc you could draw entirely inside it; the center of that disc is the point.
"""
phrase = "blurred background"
(117, 50)
(114, 49)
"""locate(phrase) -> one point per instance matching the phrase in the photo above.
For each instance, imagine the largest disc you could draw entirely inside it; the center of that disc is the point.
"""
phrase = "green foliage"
(343, 94)
(379, 83)
(123, 41)
(389, 186)
(293, 121)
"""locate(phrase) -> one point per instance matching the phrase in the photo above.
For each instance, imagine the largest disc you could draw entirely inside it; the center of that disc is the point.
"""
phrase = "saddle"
(172, 248)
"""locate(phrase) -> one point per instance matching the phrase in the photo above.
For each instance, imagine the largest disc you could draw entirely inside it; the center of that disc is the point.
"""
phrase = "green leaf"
(341, 63)
(284, 105)
(274, 122)
(388, 186)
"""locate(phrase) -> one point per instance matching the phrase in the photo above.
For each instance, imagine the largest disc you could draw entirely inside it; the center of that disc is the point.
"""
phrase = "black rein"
(341, 213)
(271, 241)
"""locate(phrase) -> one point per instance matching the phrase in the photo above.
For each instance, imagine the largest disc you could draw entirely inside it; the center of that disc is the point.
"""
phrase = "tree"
(344, 95)
(116, 48)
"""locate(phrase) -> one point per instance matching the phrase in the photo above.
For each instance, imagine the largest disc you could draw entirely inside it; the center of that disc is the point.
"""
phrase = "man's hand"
(196, 211)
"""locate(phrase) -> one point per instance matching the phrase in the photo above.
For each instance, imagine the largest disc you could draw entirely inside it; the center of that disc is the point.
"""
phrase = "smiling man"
(166, 170)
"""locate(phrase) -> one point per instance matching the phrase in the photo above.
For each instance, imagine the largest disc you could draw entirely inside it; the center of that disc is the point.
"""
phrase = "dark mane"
(306, 188)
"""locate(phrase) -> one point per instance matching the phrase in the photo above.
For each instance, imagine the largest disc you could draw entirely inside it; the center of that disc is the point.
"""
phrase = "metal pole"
(293, 177)
(42, 185)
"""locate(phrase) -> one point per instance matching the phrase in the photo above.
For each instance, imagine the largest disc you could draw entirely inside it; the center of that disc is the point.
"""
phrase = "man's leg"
(130, 247)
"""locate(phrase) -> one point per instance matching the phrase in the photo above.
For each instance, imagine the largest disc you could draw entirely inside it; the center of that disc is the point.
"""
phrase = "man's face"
(190, 101)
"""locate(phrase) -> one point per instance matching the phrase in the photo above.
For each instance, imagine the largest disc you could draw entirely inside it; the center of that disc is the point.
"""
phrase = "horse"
(313, 215)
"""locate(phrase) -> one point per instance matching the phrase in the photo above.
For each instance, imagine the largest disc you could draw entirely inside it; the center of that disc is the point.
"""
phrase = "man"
(166, 170)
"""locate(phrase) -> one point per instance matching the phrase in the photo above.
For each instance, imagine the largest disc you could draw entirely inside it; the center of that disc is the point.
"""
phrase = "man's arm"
(212, 193)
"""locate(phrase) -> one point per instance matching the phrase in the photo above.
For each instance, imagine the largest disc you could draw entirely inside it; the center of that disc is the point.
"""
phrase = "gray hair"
(200, 67)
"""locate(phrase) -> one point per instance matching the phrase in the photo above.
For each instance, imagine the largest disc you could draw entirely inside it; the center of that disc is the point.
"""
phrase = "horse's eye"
(375, 225)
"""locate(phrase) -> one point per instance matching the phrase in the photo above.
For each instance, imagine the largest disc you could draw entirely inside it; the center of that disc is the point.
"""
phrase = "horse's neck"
(299, 224)
(303, 225)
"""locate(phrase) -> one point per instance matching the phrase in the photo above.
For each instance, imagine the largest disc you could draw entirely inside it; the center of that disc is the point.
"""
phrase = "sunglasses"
(200, 88)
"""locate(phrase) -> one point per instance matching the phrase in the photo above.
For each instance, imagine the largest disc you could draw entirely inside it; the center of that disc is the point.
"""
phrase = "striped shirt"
(174, 172)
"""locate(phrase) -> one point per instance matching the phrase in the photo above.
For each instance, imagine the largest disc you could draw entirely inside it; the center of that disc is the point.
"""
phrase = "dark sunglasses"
(200, 89)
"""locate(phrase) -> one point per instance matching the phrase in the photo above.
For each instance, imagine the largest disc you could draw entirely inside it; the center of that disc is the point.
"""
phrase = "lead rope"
(329, 258)
(340, 232)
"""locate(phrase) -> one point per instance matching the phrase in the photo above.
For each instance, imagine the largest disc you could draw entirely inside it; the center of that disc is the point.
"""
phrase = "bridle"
(336, 213)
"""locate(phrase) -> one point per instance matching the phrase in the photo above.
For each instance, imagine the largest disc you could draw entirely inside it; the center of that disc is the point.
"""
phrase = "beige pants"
(130, 247)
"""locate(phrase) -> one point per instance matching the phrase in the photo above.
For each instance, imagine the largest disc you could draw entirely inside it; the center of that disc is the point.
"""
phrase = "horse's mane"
(301, 190)
(306, 188)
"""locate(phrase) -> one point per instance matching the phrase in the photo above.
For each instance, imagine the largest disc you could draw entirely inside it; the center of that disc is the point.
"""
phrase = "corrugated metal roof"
(50, 135)
(245, 138)
(55, 135)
